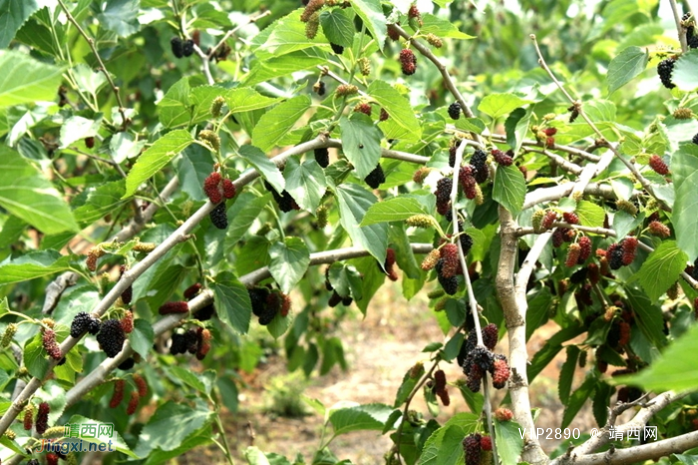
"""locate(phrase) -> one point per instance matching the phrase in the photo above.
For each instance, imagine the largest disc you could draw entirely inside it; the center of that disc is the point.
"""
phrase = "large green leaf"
(590, 214)
(76, 128)
(508, 436)
(684, 72)
(361, 143)
(13, 13)
(354, 202)
(171, 424)
(496, 105)
(26, 193)
(509, 188)
(24, 79)
(684, 215)
(156, 158)
(577, 400)
(662, 269)
(567, 373)
(398, 108)
(337, 27)
(242, 214)
(232, 302)
(120, 16)
(624, 67)
(32, 265)
(274, 124)
(372, 15)
(306, 183)
(441, 27)
(264, 166)
(360, 417)
(289, 261)
(444, 446)
(674, 370)
(247, 99)
(174, 108)
(395, 209)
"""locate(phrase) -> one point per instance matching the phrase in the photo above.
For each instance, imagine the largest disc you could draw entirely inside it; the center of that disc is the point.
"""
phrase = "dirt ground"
(379, 350)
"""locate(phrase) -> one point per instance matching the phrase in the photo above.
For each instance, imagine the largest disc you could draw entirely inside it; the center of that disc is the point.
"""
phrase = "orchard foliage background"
(574, 203)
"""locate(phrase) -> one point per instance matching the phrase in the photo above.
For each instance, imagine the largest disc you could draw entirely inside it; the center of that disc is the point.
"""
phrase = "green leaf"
(684, 73)
(567, 373)
(625, 66)
(674, 370)
(370, 417)
(647, 316)
(274, 124)
(232, 302)
(76, 128)
(13, 14)
(496, 105)
(407, 385)
(371, 12)
(306, 183)
(120, 16)
(361, 143)
(394, 209)
(508, 440)
(171, 425)
(276, 67)
(577, 400)
(254, 456)
(662, 269)
(398, 107)
(32, 265)
(444, 445)
(602, 399)
(156, 158)
(590, 214)
(516, 128)
(142, 337)
(509, 188)
(242, 214)
(354, 202)
(174, 109)
(26, 193)
(683, 217)
(337, 27)
(189, 378)
(35, 357)
(264, 166)
(101, 200)
(247, 99)
(289, 262)
(24, 79)
(441, 27)
(103, 439)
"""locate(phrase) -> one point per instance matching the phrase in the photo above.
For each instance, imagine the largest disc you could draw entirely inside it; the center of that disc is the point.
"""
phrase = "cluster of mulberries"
(657, 228)
(42, 418)
(111, 338)
(284, 200)
(658, 165)
(389, 265)
(408, 61)
(51, 347)
(82, 323)
(477, 360)
(118, 394)
(504, 159)
(440, 388)
(479, 161)
(259, 297)
(454, 110)
(182, 48)
(218, 188)
(169, 308)
(194, 340)
(621, 254)
(376, 177)
(322, 157)
(664, 70)
(443, 195)
(472, 449)
(127, 364)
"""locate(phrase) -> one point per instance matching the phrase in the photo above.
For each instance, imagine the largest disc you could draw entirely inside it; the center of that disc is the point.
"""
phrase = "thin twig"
(680, 30)
(102, 68)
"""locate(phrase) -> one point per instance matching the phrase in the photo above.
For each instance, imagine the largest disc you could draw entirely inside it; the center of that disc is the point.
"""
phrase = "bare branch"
(680, 30)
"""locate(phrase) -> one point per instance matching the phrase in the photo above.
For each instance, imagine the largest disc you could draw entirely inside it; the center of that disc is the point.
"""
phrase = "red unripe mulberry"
(364, 108)
(204, 344)
(486, 443)
(127, 322)
(593, 273)
(548, 219)
(173, 307)
(28, 417)
(389, 264)
(192, 291)
(118, 394)
(573, 255)
(503, 414)
(211, 189)
(570, 217)
(445, 398)
(550, 131)
(471, 449)
(500, 373)
(285, 304)
(624, 337)
(229, 190)
(408, 61)
(585, 246)
(42, 418)
(439, 380)
(133, 403)
(490, 334)
(658, 165)
(629, 249)
(657, 228)
(393, 32)
(51, 459)
(50, 345)
(502, 158)
(449, 254)
(141, 384)
(558, 237)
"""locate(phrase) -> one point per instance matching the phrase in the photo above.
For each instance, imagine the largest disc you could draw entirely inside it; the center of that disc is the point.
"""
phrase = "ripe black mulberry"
(664, 70)
(322, 157)
(219, 216)
(337, 49)
(449, 285)
(471, 449)
(376, 177)
(177, 49)
(454, 110)
(111, 338)
(479, 161)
